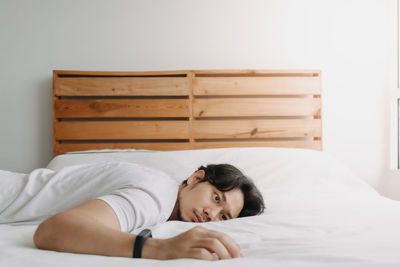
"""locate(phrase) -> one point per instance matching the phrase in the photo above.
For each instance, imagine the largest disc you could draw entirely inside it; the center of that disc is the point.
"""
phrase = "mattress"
(318, 213)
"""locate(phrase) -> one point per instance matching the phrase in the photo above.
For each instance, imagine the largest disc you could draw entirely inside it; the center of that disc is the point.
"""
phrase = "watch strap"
(139, 242)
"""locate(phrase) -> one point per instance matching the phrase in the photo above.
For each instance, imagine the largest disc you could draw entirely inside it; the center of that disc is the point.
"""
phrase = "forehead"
(234, 201)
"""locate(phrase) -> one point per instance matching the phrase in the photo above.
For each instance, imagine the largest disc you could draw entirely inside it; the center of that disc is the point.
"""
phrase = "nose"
(212, 213)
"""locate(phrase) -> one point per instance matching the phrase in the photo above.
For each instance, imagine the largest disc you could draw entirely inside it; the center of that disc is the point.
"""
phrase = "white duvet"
(318, 213)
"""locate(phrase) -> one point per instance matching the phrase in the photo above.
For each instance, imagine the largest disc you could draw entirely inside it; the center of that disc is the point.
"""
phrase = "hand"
(197, 243)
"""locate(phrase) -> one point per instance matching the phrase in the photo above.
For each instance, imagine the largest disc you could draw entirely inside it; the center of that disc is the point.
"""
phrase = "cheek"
(185, 204)
(200, 197)
(194, 199)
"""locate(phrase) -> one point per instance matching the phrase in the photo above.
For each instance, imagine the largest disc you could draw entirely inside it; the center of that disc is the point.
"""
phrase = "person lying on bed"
(119, 197)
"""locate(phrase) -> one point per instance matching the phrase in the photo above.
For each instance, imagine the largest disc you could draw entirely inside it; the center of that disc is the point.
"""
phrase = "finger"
(215, 245)
(231, 246)
(199, 229)
(201, 254)
(212, 233)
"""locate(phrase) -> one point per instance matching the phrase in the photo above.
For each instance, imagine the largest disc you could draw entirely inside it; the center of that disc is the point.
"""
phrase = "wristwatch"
(139, 242)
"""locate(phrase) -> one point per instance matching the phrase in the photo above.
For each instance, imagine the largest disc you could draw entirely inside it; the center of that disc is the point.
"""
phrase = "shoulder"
(139, 172)
(151, 192)
(150, 180)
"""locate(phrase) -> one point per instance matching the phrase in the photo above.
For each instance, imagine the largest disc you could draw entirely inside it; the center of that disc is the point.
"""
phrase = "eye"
(216, 198)
(224, 217)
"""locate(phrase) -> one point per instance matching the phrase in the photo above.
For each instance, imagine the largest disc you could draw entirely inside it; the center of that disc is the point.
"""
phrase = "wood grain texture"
(256, 85)
(84, 73)
(163, 146)
(217, 108)
(204, 129)
(258, 72)
(125, 130)
(121, 108)
(241, 107)
(121, 86)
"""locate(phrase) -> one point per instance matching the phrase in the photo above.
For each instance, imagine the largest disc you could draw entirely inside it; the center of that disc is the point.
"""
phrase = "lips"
(197, 217)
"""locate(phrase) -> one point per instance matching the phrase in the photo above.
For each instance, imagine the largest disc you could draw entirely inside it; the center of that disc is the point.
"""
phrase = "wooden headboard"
(175, 110)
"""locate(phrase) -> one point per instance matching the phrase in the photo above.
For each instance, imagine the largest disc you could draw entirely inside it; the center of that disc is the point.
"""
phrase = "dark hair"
(226, 177)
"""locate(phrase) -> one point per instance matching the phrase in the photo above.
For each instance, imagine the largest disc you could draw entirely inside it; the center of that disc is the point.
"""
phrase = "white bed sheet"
(318, 213)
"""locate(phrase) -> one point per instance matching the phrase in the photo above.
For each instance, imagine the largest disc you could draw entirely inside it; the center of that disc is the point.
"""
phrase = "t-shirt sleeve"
(122, 209)
(134, 208)
(137, 207)
(141, 196)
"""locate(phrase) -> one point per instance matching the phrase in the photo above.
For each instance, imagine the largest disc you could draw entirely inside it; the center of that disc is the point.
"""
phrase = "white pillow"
(270, 168)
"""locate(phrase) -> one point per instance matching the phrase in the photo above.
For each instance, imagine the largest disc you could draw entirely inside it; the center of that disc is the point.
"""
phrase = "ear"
(196, 177)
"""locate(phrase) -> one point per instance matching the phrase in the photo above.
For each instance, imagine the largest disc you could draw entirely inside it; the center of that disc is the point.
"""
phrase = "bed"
(267, 123)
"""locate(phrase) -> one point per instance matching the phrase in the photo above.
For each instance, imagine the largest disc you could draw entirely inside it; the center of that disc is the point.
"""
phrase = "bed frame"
(175, 110)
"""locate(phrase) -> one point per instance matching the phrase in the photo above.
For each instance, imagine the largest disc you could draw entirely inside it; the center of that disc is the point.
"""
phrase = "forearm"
(78, 233)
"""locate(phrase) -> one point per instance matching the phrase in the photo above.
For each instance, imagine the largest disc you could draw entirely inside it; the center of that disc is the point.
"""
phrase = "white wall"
(353, 42)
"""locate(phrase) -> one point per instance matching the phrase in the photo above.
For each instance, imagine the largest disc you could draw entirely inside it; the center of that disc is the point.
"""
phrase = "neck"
(174, 214)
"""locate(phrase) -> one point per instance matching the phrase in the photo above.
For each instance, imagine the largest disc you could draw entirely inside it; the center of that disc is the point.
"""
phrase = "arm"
(93, 228)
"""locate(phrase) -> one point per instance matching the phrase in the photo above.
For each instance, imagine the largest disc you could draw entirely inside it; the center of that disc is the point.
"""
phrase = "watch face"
(145, 233)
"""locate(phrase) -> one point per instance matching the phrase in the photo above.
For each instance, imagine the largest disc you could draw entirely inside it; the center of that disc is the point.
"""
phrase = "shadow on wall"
(45, 121)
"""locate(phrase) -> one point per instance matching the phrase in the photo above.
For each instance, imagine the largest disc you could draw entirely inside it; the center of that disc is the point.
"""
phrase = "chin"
(182, 218)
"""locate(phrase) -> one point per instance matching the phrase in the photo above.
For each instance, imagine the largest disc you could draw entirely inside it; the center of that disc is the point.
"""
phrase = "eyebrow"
(224, 198)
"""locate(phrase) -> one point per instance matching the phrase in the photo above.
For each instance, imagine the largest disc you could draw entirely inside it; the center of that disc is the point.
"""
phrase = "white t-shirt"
(139, 195)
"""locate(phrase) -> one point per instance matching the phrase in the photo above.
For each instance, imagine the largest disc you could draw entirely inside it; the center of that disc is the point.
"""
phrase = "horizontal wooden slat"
(66, 73)
(125, 130)
(256, 72)
(225, 107)
(256, 85)
(64, 148)
(121, 108)
(121, 86)
(317, 145)
(206, 129)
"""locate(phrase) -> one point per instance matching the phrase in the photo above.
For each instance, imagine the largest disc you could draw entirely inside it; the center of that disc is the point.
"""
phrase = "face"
(202, 202)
